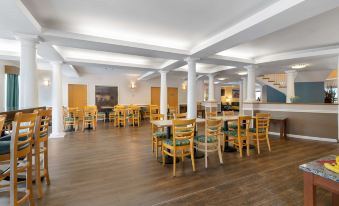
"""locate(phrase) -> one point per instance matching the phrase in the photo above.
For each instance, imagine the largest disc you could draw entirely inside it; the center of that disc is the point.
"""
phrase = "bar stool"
(17, 150)
(41, 139)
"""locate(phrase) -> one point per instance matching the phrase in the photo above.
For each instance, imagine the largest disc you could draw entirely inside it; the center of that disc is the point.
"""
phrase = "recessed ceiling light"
(216, 82)
(242, 73)
(299, 66)
(222, 78)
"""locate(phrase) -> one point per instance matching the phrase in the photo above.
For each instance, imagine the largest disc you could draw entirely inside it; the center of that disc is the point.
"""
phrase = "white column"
(28, 86)
(163, 94)
(251, 83)
(57, 126)
(2, 88)
(191, 88)
(290, 93)
(244, 88)
(337, 93)
(211, 87)
(241, 98)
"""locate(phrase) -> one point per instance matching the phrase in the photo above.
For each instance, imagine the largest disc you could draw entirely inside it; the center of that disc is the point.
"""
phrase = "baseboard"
(307, 137)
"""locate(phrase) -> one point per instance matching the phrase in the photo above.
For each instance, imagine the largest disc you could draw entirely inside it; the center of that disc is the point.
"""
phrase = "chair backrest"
(2, 122)
(244, 125)
(154, 109)
(94, 107)
(180, 116)
(23, 129)
(90, 112)
(212, 128)
(227, 113)
(41, 130)
(157, 117)
(262, 122)
(183, 129)
(211, 114)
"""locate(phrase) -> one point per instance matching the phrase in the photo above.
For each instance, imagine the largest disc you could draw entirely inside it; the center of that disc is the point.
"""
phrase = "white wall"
(2, 88)
(140, 95)
(312, 76)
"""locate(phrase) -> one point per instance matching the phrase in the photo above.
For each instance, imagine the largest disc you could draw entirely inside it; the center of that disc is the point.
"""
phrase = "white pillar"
(244, 88)
(191, 88)
(290, 93)
(28, 86)
(241, 98)
(337, 93)
(57, 126)
(163, 94)
(251, 83)
(2, 88)
(211, 87)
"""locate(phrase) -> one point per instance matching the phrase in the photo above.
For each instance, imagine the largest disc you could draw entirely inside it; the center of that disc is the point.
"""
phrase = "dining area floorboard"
(115, 166)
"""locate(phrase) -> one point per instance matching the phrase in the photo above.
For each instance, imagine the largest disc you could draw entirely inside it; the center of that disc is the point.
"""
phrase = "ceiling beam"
(279, 15)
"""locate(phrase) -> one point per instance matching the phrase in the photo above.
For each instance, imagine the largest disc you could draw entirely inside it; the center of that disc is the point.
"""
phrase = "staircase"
(276, 81)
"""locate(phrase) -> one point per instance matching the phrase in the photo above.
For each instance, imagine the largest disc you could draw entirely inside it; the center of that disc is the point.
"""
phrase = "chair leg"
(13, 197)
(206, 159)
(163, 156)
(46, 169)
(174, 162)
(37, 169)
(268, 143)
(29, 186)
(240, 146)
(258, 144)
(152, 145)
(192, 158)
(156, 148)
(248, 146)
(219, 153)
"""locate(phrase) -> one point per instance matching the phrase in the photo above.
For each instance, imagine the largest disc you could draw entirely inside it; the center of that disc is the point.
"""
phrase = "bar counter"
(307, 121)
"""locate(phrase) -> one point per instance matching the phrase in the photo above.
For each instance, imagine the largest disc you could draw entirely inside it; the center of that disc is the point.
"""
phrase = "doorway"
(77, 95)
(172, 96)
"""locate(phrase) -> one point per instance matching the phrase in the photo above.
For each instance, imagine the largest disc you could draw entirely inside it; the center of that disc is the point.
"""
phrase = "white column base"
(57, 135)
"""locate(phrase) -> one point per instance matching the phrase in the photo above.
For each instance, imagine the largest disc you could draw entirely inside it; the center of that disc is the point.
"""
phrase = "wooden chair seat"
(201, 138)
(178, 142)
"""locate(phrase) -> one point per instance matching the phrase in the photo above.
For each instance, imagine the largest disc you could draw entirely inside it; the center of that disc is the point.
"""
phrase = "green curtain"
(12, 92)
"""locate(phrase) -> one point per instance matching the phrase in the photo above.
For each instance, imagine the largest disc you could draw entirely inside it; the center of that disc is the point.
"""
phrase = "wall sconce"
(184, 86)
(132, 85)
(46, 82)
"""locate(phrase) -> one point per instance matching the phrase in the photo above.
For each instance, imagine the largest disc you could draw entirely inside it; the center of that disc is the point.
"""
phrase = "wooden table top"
(168, 123)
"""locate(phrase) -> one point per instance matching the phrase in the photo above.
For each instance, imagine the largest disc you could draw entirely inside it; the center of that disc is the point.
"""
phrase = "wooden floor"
(115, 166)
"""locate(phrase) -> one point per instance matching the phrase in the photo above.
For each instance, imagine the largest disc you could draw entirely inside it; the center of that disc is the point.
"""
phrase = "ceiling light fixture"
(216, 82)
(299, 66)
(242, 73)
(222, 78)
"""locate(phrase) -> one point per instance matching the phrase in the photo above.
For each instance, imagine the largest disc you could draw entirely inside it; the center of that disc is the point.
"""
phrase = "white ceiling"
(146, 35)
(179, 24)
(318, 31)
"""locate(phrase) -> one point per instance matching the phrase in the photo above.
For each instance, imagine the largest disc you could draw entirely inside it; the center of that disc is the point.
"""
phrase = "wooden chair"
(180, 116)
(134, 116)
(209, 115)
(71, 118)
(210, 142)
(2, 123)
(101, 116)
(172, 112)
(228, 113)
(240, 137)
(158, 134)
(95, 109)
(183, 140)
(41, 146)
(153, 109)
(120, 117)
(17, 150)
(260, 132)
(89, 118)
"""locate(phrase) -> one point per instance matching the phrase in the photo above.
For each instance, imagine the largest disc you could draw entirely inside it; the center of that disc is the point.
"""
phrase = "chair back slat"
(213, 127)
(183, 129)
(211, 114)
(244, 125)
(227, 113)
(44, 117)
(180, 116)
(262, 122)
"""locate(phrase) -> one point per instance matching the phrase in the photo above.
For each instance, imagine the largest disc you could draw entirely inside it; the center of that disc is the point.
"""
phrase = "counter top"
(316, 167)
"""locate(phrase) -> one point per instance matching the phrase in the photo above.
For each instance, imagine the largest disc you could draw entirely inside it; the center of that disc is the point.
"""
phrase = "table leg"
(309, 190)
(227, 148)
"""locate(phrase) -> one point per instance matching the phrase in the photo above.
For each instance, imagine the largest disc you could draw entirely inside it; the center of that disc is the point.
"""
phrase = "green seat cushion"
(89, 118)
(5, 144)
(201, 138)
(160, 134)
(177, 142)
(254, 130)
(70, 119)
(233, 126)
(234, 133)
(101, 113)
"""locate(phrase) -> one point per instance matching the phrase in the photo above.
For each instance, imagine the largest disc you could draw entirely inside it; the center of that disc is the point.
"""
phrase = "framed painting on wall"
(106, 97)
(235, 93)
